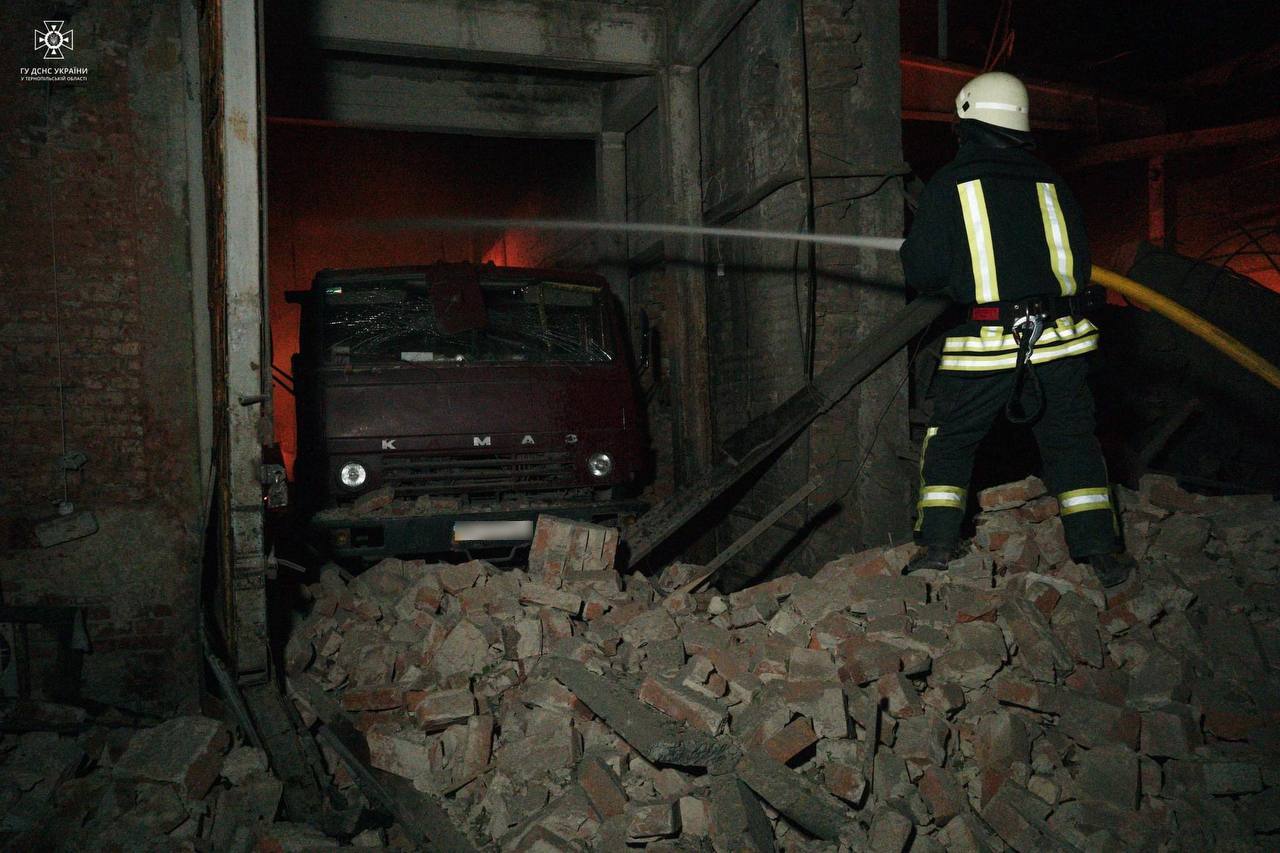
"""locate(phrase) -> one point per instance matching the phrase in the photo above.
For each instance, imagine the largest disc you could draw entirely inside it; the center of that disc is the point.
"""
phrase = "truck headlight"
(599, 464)
(353, 475)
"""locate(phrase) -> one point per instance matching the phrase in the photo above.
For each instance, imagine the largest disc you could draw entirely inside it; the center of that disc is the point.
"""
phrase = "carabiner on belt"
(1028, 325)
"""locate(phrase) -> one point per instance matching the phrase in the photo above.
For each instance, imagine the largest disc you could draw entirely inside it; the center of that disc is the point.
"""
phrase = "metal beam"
(452, 101)
(575, 34)
(1263, 130)
(929, 88)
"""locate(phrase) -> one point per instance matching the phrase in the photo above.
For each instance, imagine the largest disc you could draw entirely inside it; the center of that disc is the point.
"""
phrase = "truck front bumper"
(397, 532)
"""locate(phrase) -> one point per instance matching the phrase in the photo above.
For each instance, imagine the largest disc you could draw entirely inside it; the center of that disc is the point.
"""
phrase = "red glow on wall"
(326, 185)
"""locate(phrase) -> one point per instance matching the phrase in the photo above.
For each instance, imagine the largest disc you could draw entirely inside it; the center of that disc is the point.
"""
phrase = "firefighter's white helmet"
(996, 98)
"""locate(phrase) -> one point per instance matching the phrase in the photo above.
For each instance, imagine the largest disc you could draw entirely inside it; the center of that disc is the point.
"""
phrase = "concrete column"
(246, 386)
(854, 107)
(611, 206)
(678, 107)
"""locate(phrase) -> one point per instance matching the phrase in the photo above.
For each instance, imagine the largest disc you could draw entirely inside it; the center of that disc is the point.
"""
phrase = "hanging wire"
(65, 505)
(1001, 41)
(1220, 263)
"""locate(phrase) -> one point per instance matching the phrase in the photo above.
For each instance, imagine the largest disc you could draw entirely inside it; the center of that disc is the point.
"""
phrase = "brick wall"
(96, 171)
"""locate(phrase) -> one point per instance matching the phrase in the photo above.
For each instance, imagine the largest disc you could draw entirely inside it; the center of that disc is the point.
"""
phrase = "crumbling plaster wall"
(101, 167)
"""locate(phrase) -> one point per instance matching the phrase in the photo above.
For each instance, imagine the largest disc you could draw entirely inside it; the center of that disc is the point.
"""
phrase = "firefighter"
(1000, 233)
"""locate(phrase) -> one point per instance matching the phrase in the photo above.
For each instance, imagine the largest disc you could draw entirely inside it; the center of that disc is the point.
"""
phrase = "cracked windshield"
(522, 321)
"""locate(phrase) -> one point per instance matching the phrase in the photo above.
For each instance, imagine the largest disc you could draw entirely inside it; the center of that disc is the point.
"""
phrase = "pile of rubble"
(179, 785)
(1007, 703)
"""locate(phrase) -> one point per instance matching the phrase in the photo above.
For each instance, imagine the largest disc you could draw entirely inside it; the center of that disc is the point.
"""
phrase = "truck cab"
(442, 408)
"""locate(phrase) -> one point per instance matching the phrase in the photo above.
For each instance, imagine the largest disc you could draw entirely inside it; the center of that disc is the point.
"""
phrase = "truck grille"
(487, 476)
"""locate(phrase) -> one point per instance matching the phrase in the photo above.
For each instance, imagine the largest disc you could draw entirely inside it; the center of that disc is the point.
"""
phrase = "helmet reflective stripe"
(1055, 234)
(978, 229)
(1082, 500)
(993, 105)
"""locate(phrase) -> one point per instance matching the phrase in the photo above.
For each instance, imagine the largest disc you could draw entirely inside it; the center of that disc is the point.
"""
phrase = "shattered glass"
(533, 321)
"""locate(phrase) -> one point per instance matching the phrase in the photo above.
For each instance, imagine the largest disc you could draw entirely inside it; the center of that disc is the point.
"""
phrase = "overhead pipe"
(1127, 287)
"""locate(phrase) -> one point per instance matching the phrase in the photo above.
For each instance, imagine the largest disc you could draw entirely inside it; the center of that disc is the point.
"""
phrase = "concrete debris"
(1009, 702)
(185, 752)
(178, 785)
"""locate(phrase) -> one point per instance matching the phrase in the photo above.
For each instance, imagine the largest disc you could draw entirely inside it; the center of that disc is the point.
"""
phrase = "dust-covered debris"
(179, 785)
(1007, 703)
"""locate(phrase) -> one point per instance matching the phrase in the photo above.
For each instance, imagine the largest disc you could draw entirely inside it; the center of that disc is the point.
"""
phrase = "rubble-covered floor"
(1008, 703)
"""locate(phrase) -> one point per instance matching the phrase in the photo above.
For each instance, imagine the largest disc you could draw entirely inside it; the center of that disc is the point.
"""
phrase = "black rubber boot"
(1112, 569)
(935, 557)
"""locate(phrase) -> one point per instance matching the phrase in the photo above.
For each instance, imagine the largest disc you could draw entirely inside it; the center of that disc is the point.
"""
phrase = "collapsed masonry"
(1006, 703)
(76, 782)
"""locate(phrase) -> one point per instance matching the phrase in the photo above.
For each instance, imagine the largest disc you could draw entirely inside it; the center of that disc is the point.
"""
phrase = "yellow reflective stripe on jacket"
(1055, 235)
(978, 228)
(993, 341)
(948, 496)
(1083, 500)
(1008, 361)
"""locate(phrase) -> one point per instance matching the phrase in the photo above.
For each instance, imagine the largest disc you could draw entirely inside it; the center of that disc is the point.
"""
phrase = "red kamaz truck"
(462, 401)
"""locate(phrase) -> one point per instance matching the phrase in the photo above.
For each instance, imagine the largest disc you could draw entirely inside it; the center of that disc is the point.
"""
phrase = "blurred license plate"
(492, 531)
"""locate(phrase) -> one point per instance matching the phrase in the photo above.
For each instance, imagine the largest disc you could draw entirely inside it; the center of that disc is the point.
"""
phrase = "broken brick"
(684, 705)
(795, 738)
(603, 789)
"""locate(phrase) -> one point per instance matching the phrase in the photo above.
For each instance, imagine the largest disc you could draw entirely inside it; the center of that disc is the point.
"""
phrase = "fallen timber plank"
(420, 815)
(662, 740)
(750, 536)
(752, 445)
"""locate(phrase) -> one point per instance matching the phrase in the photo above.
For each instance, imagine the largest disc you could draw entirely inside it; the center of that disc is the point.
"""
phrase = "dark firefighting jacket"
(996, 225)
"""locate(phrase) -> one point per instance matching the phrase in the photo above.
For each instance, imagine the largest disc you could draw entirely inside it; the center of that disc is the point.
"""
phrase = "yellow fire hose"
(1193, 323)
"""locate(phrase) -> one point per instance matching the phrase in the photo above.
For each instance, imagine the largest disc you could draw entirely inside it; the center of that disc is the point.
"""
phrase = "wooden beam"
(751, 535)
(423, 818)
(746, 449)
(1263, 130)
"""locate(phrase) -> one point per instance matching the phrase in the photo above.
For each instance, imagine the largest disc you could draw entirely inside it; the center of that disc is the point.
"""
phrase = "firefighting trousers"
(965, 406)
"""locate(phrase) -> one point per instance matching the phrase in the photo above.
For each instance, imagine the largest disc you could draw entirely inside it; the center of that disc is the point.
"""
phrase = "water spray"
(1136, 292)
(888, 244)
